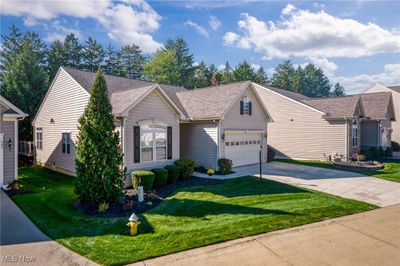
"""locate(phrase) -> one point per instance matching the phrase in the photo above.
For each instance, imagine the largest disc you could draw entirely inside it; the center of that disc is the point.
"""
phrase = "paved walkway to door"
(22, 243)
(341, 183)
(369, 238)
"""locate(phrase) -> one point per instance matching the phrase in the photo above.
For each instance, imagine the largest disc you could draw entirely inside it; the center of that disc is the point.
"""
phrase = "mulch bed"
(13, 192)
(129, 202)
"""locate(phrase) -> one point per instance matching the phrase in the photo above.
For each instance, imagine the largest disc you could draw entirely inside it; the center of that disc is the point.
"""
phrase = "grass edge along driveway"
(391, 170)
(191, 217)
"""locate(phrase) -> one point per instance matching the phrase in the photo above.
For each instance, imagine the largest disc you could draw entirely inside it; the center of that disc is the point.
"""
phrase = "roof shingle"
(335, 106)
(376, 104)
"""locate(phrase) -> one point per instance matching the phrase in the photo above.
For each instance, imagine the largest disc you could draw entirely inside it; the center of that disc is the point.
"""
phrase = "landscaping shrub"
(225, 166)
(201, 169)
(146, 177)
(369, 156)
(395, 146)
(173, 173)
(186, 167)
(271, 154)
(375, 152)
(389, 152)
(381, 152)
(161, 177)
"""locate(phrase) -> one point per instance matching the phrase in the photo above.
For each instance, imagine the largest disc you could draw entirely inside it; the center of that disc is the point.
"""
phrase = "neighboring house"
(157, 123)
(310, 128)
(9, 116)
(395, 91)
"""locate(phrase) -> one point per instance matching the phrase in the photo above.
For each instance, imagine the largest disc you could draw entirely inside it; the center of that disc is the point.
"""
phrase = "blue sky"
(354, 42)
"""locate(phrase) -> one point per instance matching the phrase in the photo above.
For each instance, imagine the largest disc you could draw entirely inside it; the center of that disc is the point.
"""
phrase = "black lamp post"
(260, 162)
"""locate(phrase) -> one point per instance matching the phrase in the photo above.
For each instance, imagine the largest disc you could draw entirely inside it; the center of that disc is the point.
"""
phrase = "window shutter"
(241, 107)
(169, 143)
(250, 108)
(136, 144)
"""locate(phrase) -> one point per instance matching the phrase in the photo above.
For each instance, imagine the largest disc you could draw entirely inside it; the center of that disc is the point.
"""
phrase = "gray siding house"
(9, 116)
(157, 123)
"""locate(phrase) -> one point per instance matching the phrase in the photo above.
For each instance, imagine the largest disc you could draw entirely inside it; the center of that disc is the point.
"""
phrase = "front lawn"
(391, 170)
(191, 217)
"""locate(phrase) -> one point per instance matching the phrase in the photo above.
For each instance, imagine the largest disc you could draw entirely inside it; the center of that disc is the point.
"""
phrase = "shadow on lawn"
(202, 208)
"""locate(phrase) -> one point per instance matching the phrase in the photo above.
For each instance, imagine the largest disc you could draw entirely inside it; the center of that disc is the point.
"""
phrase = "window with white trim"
(66, 142)
(39, 138)
(153, 143)
(354, 133)
(246, 105)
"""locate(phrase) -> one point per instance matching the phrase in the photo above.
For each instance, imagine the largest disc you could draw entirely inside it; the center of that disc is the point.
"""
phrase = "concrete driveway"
(341, 183)
(22, 243)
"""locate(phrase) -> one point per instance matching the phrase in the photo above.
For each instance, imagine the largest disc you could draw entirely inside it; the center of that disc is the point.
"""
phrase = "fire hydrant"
(133, 224)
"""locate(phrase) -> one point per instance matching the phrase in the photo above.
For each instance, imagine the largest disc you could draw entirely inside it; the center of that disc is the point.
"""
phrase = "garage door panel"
(242, 149)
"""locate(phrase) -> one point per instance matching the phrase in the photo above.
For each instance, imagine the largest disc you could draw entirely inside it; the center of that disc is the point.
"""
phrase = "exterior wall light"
(10, 144)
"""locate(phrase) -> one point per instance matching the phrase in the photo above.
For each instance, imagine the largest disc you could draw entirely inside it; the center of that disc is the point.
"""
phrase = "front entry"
(242, 148)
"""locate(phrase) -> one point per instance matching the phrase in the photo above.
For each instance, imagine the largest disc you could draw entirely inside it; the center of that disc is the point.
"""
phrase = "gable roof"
(11, 110)
(345, 106)
(395, 88)
(211, 102)
(290, 94)
(377, 105)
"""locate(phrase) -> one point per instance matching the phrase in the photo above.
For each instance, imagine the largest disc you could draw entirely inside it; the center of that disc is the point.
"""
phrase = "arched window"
(354, 133)
(153, 142)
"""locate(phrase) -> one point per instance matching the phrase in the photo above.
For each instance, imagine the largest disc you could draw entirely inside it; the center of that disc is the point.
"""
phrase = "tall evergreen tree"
(298, 81)
(99, 172)
(316, 83)
(111, 63)
(282, 77)
(184, 61)
(23, 74)
(73, 51)
(227, 74)
(201, 77)
(338, 90)
(56, 57)
(244, 71)
(93, 54)
(131, 61)
(261, 76)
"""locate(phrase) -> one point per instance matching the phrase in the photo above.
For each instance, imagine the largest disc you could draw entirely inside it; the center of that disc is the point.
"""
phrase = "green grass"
(391, 170)
(191, 217)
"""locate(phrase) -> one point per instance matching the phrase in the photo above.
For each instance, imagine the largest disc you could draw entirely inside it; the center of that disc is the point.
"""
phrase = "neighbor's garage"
(242, 147)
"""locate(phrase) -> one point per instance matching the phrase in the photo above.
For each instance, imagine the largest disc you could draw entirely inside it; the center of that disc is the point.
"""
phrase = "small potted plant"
(210, 171)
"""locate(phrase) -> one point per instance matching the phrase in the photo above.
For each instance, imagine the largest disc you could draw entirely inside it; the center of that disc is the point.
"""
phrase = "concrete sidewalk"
(369, 238)
(22, 243)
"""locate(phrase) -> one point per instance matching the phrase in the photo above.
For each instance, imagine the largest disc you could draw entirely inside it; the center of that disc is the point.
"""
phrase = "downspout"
(122, 130)
(218, 142)
(346, 137)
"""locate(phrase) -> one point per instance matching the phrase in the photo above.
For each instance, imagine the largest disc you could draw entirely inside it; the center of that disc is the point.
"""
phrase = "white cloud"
(58, 31)
(230, 38)
(221, 67)
(255, 67)
(214, 22)
(200, 30)
(303, 34)
(327, 66)
(358, 83)
(288, 9)
(126, 21)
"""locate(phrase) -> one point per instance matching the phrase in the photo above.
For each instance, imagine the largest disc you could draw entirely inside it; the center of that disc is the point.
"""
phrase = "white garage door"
(242, 148)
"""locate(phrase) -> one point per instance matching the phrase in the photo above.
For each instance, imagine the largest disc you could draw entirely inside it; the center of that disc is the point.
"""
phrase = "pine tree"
(282, 77)
(55, 57)
(23, 75)
(72, 51)
(93, 54)
(99, 172)
(244, 71)
(131, 61)
(111, 64)
(316, 83)
(261, 76)
(227, 74)
(298, 81)
(338, 90)
(201, 76)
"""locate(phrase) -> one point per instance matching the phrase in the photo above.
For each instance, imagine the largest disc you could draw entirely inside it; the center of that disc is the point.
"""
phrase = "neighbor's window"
(66, 143)
(354, 133)
(153, 143)
(246, 106)
(39, 138)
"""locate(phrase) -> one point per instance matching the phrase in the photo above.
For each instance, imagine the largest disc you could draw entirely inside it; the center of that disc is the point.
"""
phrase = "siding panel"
(7, 127)
(300, 132)
(65, 103)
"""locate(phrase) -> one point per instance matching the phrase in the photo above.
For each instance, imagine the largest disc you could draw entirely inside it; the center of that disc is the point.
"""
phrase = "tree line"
(28, 66)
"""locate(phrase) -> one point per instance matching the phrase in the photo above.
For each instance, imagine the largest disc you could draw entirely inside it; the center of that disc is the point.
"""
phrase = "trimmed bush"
(146, 177)
(375, 152)
(201, 169)
(161, 177)
(186, 168)
(225, 166)
(381, 152)
(271, 154)
(395, 146)
(389, 152)
(173, 173)
(369, 156)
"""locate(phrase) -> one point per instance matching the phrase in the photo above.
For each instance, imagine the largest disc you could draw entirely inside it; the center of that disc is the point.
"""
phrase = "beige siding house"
(9, 116)
(395, 91)
(157, 123)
